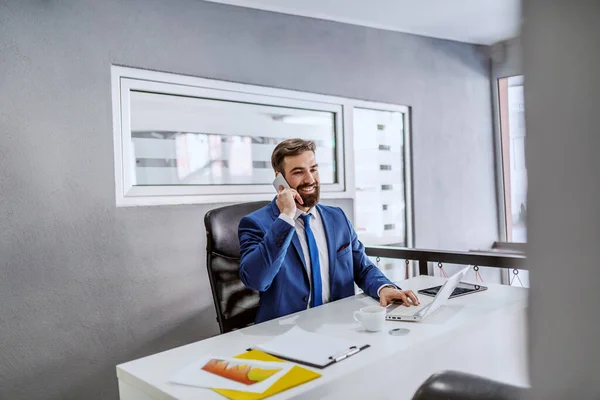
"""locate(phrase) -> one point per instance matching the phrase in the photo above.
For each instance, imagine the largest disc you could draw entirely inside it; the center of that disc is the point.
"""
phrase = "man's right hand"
(286, 201)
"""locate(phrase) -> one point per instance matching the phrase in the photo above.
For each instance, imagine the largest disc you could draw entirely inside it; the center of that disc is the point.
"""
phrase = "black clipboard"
(334, 358)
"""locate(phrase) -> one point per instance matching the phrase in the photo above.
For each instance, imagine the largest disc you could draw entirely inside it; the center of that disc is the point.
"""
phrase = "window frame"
(407, 156)
(502, 155)
(124, 79)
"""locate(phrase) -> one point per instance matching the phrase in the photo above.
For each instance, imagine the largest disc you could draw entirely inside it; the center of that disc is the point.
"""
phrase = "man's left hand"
(388, 294)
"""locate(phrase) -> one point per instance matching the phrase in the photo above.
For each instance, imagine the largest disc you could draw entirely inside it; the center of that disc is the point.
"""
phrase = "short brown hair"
(287, 148)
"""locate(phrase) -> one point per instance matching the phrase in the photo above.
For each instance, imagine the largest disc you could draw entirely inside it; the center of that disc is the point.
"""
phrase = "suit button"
(305, 298)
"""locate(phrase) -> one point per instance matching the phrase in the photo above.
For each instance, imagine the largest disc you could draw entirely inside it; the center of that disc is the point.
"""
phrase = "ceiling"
(471, 21)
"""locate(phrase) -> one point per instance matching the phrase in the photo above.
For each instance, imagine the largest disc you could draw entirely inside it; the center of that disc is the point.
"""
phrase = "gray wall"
(507, 58)
(561, 55)
(84, 285)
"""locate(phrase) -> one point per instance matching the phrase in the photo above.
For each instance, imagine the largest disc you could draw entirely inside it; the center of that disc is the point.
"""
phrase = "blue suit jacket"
(272, 261)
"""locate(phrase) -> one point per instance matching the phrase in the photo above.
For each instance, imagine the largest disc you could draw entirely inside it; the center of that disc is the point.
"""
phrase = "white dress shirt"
(316, 225)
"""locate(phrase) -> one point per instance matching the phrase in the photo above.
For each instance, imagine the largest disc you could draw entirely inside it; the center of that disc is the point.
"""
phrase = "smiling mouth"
(308, 189)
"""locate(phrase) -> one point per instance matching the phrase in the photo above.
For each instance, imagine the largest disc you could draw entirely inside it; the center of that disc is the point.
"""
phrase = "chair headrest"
(222, 226)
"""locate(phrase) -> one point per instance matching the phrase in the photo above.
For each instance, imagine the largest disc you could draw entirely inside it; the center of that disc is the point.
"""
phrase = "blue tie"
(315, 265)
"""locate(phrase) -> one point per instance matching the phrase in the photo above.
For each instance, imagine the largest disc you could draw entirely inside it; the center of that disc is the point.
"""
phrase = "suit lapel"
(295, 240)
(298, 247)
(330, 235)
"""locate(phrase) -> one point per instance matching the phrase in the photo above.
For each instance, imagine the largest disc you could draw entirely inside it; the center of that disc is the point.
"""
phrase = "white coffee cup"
(371, 317)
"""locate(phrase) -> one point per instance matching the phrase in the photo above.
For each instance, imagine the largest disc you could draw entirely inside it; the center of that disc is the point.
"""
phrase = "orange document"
(296, 376)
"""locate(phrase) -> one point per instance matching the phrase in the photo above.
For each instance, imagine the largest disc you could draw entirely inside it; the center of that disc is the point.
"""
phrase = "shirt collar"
(299, 212)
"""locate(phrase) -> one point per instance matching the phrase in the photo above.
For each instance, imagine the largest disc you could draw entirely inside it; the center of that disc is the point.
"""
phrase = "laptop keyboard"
(412, 310)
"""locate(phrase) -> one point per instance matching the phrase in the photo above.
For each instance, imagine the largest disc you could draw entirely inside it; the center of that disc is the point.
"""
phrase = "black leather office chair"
(454, 385)
(236, 305)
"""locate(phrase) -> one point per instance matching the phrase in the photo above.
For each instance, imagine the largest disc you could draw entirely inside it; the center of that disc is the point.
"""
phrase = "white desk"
(481, 333)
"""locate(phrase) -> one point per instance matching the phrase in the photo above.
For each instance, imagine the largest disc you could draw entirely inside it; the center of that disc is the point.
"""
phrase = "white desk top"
(456, 319)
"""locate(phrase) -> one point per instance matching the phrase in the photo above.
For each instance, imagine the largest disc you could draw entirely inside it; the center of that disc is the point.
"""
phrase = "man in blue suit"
(298, 253)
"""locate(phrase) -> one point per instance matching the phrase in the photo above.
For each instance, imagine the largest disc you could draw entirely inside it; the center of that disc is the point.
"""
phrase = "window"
(186, 140)
(381, 175)
(190, 140)
(177, 140)
(514, 171)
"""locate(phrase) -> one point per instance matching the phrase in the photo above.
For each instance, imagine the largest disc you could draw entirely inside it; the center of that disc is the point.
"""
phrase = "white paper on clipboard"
(310, 348)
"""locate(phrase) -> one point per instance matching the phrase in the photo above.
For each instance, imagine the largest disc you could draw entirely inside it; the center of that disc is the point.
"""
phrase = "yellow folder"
(296, 376)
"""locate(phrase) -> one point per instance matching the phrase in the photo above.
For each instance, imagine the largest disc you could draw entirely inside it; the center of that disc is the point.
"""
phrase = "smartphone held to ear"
(280, 181)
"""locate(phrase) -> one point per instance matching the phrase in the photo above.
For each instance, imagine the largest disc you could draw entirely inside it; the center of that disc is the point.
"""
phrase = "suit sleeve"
(262, 253)
(366, 275)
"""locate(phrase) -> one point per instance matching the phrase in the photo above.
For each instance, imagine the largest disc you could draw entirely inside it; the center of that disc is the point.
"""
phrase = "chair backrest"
(236, 305)
(457, 385)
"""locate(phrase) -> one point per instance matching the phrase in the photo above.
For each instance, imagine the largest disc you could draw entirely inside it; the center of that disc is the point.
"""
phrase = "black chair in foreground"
(454, 385)
(235, 304)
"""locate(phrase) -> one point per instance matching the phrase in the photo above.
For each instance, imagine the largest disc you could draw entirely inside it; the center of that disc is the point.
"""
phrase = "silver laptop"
(427, 306)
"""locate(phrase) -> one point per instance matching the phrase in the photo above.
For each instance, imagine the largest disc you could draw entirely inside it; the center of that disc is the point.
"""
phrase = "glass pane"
(393, 268)
(518, 171)
(178, 140)
(483, 276)
(379, 177)
(512, 127)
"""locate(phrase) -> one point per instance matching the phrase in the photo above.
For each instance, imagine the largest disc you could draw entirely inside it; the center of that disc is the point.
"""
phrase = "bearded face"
(302, 173)
(310, 193)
